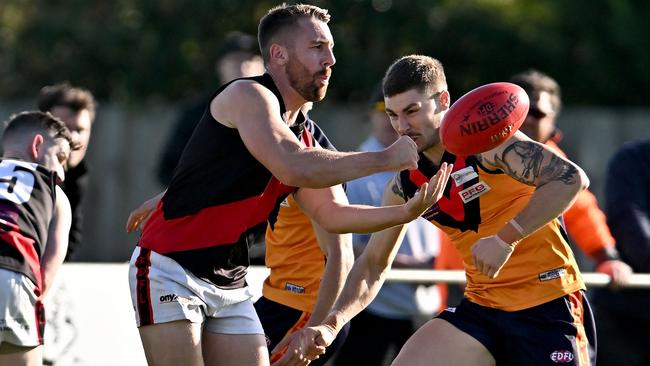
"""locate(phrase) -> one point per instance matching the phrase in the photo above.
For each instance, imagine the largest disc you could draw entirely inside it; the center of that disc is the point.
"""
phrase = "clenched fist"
(491, 254)
(402, 154)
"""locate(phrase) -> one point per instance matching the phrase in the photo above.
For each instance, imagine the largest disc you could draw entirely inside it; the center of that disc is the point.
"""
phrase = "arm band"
(517, 227)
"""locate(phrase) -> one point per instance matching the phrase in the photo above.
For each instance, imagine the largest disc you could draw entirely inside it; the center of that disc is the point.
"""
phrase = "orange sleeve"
(587, 225)
(448, 257)
(585, 221)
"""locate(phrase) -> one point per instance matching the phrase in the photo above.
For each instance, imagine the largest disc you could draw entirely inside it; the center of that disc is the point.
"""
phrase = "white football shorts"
(163, 291)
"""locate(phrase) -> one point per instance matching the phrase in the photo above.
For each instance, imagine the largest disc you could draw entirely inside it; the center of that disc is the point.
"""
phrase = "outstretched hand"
(429, 193)
(140, 215)
(303, 346)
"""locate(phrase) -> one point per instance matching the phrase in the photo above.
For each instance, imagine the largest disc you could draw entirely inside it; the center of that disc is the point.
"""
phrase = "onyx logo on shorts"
(168, 298)
(562, 356)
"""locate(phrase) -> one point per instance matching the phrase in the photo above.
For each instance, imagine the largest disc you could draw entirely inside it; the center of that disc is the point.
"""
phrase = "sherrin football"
(484, 118)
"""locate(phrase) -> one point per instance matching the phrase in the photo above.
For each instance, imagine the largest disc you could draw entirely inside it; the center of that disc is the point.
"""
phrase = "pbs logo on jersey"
(562, 356)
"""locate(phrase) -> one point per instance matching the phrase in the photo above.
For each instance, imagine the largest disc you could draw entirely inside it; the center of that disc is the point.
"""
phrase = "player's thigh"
(438, 343)
(173, 343)
(233, 335)
(12, 355)
(235, 349)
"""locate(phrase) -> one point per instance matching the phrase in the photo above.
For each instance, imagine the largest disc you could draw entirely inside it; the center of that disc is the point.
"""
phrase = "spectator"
(584, 221)
(74, 106)
(622, 315)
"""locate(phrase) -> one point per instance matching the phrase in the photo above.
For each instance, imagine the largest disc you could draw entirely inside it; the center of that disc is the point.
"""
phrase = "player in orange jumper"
(308, 269)
(584, 220)
(524, 300)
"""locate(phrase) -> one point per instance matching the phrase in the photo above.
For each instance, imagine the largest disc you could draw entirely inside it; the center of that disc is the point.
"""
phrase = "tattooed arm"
(557, 180)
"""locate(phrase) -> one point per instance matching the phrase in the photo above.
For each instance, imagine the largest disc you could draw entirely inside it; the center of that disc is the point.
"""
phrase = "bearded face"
(310, 58)
(309, 84)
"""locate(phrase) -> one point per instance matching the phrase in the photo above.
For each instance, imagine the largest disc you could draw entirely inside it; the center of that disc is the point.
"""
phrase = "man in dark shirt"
(76, 108)
(622, 315)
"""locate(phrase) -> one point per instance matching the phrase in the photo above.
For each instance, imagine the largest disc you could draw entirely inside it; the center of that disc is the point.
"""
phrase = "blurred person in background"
(379, 332)
(622, 314)
(585, 222)
(35, 220)
(238, 57)
(76, 107)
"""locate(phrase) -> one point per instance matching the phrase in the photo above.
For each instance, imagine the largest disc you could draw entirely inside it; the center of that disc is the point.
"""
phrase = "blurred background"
(143, 59)
(146, 61)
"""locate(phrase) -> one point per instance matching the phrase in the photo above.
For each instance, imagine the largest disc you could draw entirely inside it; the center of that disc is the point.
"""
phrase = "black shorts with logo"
(279, 320)
(559, 332)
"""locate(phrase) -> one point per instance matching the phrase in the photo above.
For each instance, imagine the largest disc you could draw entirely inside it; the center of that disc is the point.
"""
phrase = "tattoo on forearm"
(528, 168)
(558, 170)
(397, 186)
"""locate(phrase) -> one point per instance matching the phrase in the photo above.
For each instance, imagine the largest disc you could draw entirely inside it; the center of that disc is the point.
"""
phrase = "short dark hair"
(36, 121)
(535, 81)
(65, 95)
(281, 17)
(423, 73)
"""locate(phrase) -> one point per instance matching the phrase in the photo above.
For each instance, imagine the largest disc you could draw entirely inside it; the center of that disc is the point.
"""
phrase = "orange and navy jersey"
(477, 203)
(218, 197)
(585, 221)
(292, 251)
(295, 259)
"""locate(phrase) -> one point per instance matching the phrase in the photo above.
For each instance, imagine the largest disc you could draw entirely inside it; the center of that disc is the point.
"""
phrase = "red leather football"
(484, 118)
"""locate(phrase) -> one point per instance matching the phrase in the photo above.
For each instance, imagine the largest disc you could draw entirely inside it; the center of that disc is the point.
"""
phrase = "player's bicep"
(255, 112)
(530, 162)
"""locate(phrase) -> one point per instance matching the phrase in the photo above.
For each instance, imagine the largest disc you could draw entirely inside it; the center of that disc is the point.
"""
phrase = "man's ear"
(445, 100)
(37, 143)
(278, 54)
